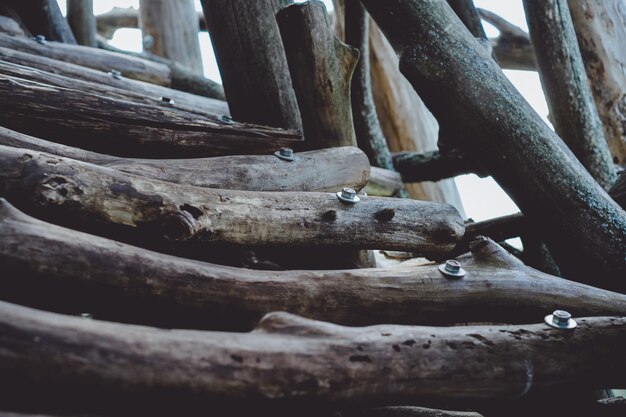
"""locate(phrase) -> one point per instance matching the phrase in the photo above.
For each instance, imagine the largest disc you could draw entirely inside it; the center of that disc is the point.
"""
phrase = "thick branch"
(82, 21)
(563, 78)
(434, 165)
(584, 228)
(466, 11)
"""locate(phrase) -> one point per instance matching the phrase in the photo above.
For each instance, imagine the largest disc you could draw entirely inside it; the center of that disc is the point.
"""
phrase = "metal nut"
(348, 195)
(167, 100)
(40, 39)
(452, 269)
(116, 74)
(560, 319)
(286, 154)
(227, 120)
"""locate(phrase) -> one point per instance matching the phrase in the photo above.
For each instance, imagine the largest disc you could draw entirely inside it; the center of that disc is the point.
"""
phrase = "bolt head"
(348, 195)
(452, 269)
(286, 151)
(116, 74)
(168, 100)
(227, 120)
(40, 39)
(560, 319)
(453, 266)
(286, 154)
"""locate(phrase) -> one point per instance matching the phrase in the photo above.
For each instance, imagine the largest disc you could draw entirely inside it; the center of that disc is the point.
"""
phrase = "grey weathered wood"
(82, 21)
(296, 360)
(44, 266)
(44, 17)
(114, 125)
(120, 17)
(408, 411)
(252, 62)
(10, 26)
(321, 69)
(601, 34)
(384, 183)
(435, 165)
(170, 29)
(129, 206)
(466, 11)
(585, 229)
(618, 191)
(564, 80)
(321, 170)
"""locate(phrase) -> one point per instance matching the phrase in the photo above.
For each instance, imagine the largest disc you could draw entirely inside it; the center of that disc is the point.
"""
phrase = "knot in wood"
(179, 225)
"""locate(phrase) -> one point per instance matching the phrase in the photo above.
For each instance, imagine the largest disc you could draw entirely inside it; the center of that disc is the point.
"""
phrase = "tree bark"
(584, 228)
(292, 360)
(170, 29)
(82, 21)
(123, 205)
(601, 34)
(45, 267)
(43, 17)
(563, 78)
(321, 68)
(252, 61)
(322, 170)
(113, 125)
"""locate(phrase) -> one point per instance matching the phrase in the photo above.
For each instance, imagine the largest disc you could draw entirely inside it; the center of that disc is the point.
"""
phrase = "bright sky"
(482, 197)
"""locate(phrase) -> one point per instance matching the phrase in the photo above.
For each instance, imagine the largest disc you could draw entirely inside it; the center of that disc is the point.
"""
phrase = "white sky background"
(482, 197)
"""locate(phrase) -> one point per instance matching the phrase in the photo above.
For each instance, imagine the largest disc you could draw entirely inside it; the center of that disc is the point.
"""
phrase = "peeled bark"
(82, 21)
(292, 360)
(45, 266)
(321, 170)
(585, 229)
(114, 125)
(563, 78)
(150, 211)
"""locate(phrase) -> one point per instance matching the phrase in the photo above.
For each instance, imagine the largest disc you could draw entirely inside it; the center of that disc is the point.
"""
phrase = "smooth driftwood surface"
(55, 268)
(321, 170)
(601, 32)
(120, 127)
(435, 165)
(512, 47)
(584, 228)
(103, 79)
(82, 21)
(321, 69)
(564, 80)
(43, 17)
(252, 61)
(291, 360)
(170, 29)
(70, 191)
(129, 66)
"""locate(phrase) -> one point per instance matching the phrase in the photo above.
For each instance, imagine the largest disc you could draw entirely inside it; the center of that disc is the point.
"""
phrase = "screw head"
(167, 100)
(40, 39)
(227, 120)
(348, 195)
(116, 74)
(452, 269)
(286, 154)
(560, 319)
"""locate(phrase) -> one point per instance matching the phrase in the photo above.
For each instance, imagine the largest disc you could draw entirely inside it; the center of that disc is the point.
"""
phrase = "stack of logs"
(136, 200)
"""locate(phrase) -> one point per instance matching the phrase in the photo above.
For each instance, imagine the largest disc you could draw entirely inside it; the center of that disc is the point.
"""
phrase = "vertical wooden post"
(82, 21)
(170, 29)
(44, 17)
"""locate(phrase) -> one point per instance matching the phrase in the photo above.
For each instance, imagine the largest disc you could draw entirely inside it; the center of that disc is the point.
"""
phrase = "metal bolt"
(452, 269)
(148, 41)
(116, 74)
(348, 195)
(560, 319)
(40, 39)
(86, 315)
(227, 120)
(286, 154)
(167, 100)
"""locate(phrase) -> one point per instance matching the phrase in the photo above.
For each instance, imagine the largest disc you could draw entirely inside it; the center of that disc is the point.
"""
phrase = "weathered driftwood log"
(321, 170)
(466, 11)
(407, 411)
(120, 127)
(114, 203)
(129, 66)
(170, 29)
(321, 69)
(435, 165)
(290, 360)
(384, 183)
(512, 47)
(102, 79)
(585, 229)
(618, 191)
(45, 266)
(123, 17)
(43, 17)
(564, 81)
(601, 34)
(82, 21)
(369, 134)
(10, 26)
(500, 228)
(252, 61)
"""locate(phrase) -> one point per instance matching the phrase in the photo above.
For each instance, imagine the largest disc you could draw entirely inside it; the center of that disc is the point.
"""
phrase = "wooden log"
(10, 26)
(601, 35)
(45, 267)
(43, 17)
(466, 11)
(618, 191)
(116, 126)
(384, 183)
(170, 29)
(564, 80)
(82, 21)
(584, 228)
(252, 62)
(110, 202)
(321, 69)
(407, 411)
(435, 165)
(512, 47)
(321, 170)
(290, 360)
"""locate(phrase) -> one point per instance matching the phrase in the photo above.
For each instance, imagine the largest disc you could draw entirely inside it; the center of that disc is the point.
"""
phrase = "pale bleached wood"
(82, 21)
